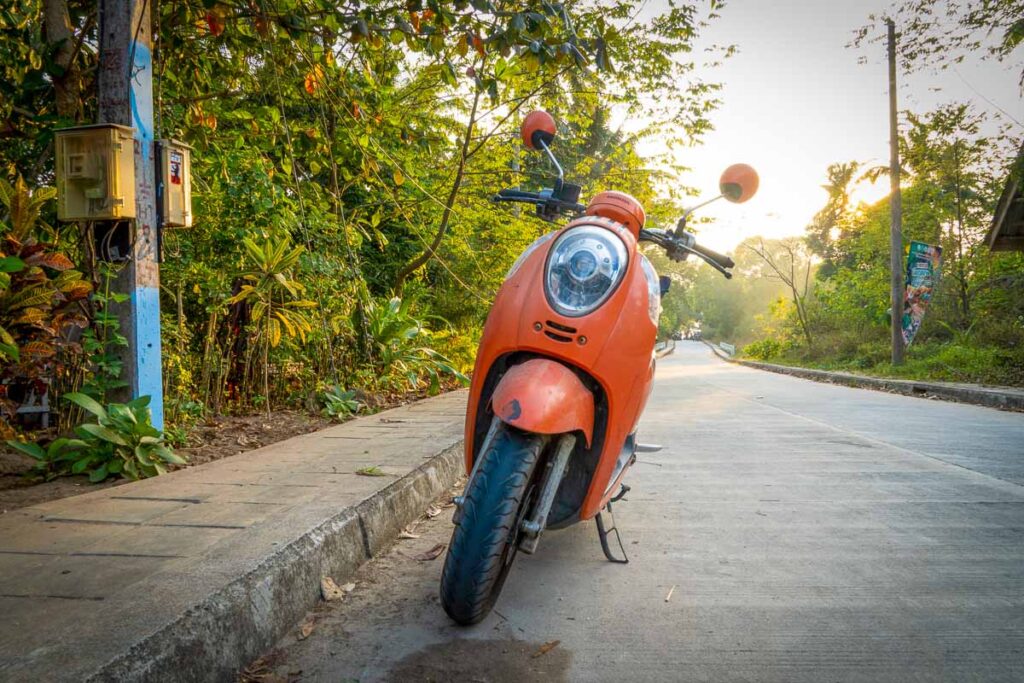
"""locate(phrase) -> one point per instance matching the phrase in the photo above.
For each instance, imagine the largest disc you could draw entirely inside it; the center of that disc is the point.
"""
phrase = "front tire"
(485, 541)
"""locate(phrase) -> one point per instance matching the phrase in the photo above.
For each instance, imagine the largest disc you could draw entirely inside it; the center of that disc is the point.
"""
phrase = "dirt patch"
(209, 440)
(222, 437)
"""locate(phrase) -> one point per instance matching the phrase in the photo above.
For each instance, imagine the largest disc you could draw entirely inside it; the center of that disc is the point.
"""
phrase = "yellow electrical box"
(95, 173)
(175, 184)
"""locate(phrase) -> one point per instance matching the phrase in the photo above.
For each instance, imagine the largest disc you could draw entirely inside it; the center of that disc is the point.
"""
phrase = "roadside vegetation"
(822, 300)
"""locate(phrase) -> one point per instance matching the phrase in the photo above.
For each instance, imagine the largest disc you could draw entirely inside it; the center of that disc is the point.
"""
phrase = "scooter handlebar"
(722, 259)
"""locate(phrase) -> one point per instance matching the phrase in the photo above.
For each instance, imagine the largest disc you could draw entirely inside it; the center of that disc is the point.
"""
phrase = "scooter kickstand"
(602, 534)
(620, 495)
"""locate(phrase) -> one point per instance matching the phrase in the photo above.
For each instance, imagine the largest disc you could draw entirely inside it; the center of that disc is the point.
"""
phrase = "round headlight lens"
(584, 267)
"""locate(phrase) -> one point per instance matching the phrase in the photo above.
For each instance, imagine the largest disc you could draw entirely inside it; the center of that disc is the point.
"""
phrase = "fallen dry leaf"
(307, 628)
(372, 471)
(433, 511)
(348, 587)
(329, 590)
(407, 534)
(546, 648)
(431, 554)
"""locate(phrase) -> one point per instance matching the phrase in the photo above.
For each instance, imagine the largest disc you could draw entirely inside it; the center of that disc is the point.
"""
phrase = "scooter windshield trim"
(543, 239)
(584, 267)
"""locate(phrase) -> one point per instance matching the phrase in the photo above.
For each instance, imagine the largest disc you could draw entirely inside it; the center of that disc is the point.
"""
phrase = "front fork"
(533, 526)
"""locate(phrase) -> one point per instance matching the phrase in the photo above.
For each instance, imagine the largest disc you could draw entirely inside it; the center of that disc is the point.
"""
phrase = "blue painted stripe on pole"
(142, 78)
(148, 378)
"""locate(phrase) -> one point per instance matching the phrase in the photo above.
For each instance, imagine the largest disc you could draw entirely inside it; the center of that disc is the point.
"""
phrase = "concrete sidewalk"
(191, 575)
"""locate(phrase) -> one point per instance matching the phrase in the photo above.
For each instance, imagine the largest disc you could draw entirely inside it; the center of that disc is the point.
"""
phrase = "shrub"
(765, 349)
(339, 404)
(122, 442)
(400, 354)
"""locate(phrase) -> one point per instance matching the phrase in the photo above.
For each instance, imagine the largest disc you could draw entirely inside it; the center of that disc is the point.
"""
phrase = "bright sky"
(796, 100)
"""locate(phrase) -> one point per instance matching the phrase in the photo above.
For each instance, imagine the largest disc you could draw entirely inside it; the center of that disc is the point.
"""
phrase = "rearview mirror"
(538, 127)
(738, 183)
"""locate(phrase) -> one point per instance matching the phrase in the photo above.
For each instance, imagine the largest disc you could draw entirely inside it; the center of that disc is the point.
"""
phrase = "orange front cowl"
(544, 397)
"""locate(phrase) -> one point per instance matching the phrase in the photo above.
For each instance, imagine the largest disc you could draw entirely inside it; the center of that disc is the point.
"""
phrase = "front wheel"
(485, 541)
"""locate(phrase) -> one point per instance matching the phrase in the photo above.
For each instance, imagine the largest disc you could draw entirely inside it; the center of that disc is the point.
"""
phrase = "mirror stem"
(701, 205)
(682, 221)
(561, 174)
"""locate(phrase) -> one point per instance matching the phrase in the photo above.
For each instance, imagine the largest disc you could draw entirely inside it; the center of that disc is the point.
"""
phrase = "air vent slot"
(558, 337)
(561, 328)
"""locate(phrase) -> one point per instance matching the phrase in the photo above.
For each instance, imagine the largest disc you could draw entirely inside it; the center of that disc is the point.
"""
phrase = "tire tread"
(473, 572)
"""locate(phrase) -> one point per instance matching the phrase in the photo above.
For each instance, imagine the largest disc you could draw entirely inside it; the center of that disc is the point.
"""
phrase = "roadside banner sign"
(923, 267)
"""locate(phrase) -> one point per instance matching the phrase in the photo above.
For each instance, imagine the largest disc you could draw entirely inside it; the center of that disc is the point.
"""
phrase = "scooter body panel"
(610, 350)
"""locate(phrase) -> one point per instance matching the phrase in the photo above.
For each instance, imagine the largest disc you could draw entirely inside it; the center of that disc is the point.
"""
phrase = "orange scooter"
(562, 374)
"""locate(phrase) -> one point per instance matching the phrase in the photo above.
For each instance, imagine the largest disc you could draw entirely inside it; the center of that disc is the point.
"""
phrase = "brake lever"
(707, 259)
(719, 267)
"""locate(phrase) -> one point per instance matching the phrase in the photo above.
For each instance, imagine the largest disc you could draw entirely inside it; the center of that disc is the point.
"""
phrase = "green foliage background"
(344, 157)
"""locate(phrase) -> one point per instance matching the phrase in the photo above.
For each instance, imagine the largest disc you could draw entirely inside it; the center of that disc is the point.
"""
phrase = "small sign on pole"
(924, 262)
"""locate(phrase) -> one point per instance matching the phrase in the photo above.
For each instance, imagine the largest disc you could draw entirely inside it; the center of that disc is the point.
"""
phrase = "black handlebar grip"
(517, 194)
(714, 255)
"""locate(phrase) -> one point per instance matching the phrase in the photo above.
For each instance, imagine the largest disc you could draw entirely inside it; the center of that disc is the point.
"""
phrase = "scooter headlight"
(584, 267)
(543, 239)
(653, 290)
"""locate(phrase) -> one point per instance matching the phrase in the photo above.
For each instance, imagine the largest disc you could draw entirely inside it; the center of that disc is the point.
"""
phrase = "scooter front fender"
(544, 397)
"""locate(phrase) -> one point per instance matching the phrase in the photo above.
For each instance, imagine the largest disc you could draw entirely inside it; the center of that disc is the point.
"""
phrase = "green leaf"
(170, 456)
(140, 402)
(30, 449)
(80, 465)
(55, 448)
(105, 433)
(11, 264)
(86, 403)
(98, 475)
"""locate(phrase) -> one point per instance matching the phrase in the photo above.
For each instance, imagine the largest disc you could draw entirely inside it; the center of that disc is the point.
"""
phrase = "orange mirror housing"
(738, 183)
(538, 126)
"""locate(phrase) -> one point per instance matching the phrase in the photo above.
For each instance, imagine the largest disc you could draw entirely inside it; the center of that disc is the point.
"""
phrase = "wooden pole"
(896, 206)
(126, 98)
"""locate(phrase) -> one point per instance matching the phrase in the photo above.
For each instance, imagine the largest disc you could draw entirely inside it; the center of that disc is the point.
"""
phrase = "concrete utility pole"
(126, 98)
(896, 205)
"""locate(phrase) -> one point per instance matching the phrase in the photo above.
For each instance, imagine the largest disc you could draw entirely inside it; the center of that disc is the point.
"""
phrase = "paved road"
(806, 532)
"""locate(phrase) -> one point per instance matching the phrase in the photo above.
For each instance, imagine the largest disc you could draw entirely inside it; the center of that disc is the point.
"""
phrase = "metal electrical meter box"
(175, 183)
(95, 173)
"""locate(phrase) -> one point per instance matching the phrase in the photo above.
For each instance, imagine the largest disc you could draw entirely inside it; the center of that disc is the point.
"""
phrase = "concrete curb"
(220, 635)
(1001, 399)
(666, 350)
